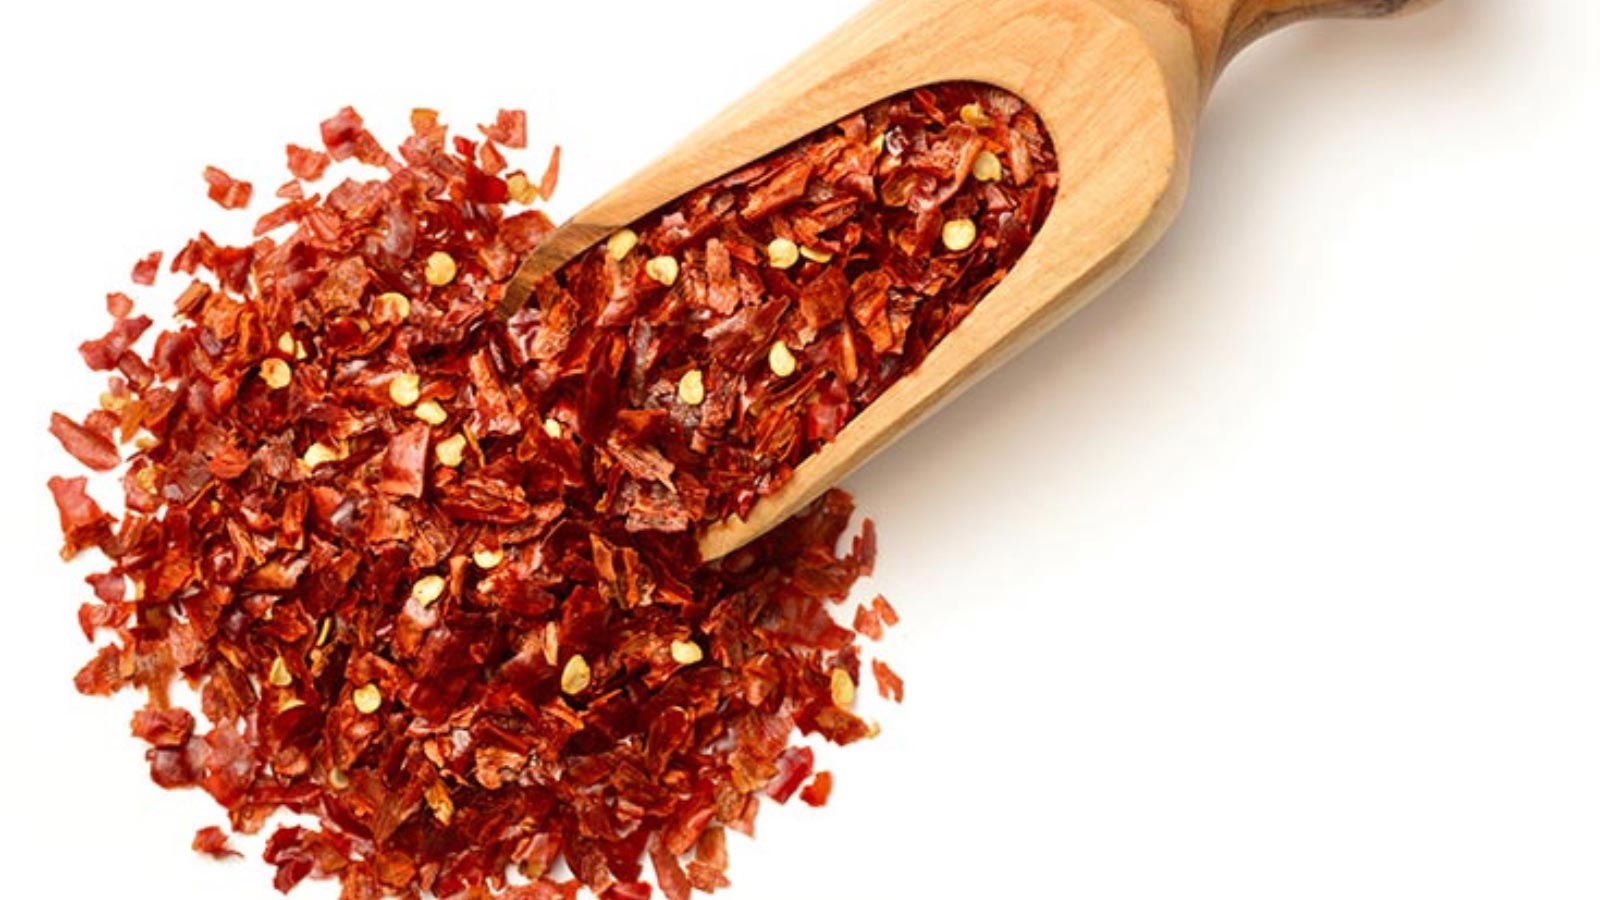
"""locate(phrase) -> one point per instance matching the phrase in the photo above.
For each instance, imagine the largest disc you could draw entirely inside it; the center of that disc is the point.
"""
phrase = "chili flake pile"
(434, 574)
(750, 321)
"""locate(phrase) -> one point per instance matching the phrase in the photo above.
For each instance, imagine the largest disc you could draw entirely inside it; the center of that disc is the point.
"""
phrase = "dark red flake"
(227, 191)
(213, 842)
(144, 271)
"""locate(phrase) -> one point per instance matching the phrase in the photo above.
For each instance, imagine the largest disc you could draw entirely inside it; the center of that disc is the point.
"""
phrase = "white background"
(1273, 575)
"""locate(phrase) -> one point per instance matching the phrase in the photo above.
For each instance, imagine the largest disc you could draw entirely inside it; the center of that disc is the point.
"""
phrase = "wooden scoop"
(1118, 83)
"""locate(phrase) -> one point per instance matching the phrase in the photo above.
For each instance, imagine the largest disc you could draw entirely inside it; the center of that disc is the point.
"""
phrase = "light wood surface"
(1119, 84)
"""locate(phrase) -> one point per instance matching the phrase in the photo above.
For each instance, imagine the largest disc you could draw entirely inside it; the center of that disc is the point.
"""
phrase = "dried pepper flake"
(92, 448)
(144, 271)
(890, 687)
(819, 790)
(213, 842)
(434, 574)
(227, 191)
(307, 164)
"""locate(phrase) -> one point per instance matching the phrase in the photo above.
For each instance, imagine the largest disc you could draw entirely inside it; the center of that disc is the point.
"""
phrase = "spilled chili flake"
(434, 574)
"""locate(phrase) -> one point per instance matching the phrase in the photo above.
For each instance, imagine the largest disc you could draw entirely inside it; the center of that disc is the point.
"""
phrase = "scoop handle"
(1243, 21)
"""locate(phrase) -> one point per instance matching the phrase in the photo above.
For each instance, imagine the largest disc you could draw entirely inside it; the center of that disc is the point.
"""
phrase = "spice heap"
(750, 321)
(434, 574)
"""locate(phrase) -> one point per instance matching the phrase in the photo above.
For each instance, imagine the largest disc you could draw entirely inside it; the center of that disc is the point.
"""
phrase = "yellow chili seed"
(663, 269)
(781, 360)
(440, 269)
(552, 428)
(279, 675)
(276, 373)
(692, 388)
(367, 699)
(686, 653)
(391, 307)
(320, 453)
(451, 450)
(820, 257)
(974, 115)
(843, 689)
(959, 234)
(619, 245)
(428, 589)
(575, 677)
(431, 412)
(521, 189)
(405, 388)
(783, 253)
(488, 559)
(987, 167)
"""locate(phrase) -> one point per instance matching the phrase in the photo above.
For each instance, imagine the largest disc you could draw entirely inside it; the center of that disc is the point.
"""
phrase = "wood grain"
(1118, 83)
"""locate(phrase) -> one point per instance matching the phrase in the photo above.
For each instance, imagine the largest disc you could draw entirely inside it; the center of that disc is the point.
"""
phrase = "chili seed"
(391, 308)
(620, 244)
(783, 253)
(431, 412)
(959, 234)
(405, 388)
(276, 373)
(575, 676)
(451, 450)
(521, 189)
(428, 589)
(440, 270)
(663, 269)
(367, 699)
(987, 167)
(780, 360)
(692, 388)
(842, 688)
(686, 653)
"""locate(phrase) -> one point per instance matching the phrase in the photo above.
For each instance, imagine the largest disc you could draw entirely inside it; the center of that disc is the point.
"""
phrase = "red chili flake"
(83, 522)
(868, 623)
(890, 686)
(466, 627)
(794, 767)
(90, 448)
(163, 727)
(552, 174)
(118, 304)
(213, 842)
(307, 164)
(106, 353)
(227, 191)
(819, 790)
(144, 271)
(886, 612)
(510, 129)
(341, 134)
